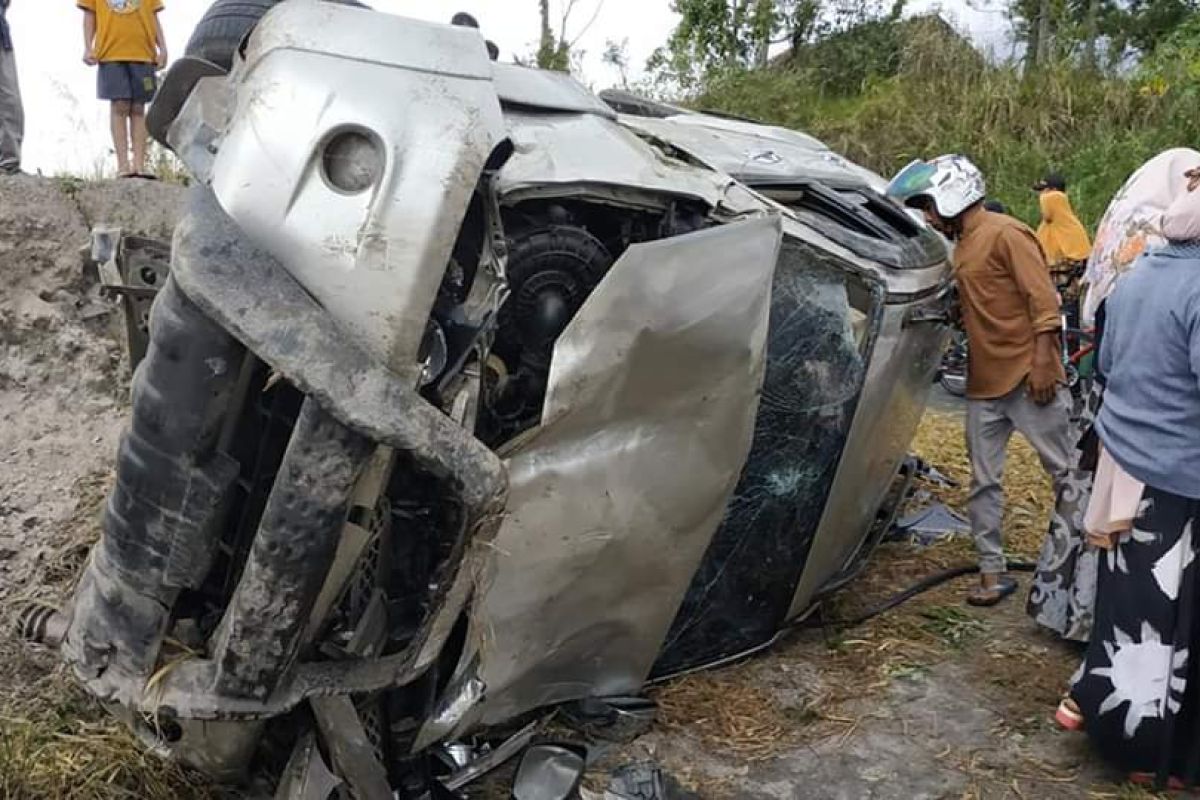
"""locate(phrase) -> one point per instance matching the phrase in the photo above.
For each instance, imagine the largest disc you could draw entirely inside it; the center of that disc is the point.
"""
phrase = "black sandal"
(986, 598)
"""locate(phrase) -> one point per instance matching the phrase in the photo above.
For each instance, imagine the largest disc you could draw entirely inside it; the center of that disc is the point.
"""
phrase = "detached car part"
(132, 269)
(468, 395)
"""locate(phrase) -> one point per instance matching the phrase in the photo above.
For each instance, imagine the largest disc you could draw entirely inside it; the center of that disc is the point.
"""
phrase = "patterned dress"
(1064, 586)
(1139, 684)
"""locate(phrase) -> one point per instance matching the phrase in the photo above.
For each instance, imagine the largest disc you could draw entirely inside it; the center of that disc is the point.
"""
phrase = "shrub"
(943, 98)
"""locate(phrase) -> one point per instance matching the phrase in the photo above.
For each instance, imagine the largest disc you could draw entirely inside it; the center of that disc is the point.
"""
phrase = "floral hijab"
(1133, 222)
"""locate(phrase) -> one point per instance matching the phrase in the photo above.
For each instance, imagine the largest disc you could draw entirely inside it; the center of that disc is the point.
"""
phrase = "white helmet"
(952, 182)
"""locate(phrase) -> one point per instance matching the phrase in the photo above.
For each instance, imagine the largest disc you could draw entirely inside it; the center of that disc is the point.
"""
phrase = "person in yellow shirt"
(1064, 240)
(125, 39)
(1062, 235)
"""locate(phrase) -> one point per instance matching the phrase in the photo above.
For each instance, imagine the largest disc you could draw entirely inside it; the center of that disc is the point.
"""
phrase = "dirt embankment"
(64, 394)
(63, 375)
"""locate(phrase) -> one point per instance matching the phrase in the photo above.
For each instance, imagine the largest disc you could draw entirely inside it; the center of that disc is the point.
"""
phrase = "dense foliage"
(940, 96)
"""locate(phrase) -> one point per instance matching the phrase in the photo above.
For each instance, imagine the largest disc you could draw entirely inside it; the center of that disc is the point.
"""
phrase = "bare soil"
(63, 378)
(64, 386)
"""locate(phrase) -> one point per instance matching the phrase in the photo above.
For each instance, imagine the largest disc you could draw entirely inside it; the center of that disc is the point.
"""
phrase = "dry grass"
(64, 747)
(731, 716)
(826, 687)
(940, 441)
(55, 741)
(927, 628)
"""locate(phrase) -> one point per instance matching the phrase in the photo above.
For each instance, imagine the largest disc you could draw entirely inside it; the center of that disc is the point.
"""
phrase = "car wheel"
(226, 24)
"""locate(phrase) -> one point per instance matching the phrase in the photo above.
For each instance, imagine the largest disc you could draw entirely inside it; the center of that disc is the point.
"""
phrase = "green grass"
(952, 625)
(1095, 129)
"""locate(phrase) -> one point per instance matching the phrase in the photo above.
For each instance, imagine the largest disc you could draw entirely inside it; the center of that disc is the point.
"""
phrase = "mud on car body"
(484, 398)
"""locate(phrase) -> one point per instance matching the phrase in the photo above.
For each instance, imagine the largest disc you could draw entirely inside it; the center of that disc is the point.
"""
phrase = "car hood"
(755, 153)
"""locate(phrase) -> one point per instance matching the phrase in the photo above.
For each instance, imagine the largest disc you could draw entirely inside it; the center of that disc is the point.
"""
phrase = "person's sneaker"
(12, 171)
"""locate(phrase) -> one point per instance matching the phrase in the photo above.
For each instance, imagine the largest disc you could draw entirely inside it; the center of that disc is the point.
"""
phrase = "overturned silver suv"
(471, 393)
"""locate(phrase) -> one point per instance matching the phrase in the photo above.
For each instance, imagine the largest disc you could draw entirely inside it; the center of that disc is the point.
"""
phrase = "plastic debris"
(645, 781)
(549, 772)
(932, 474)
(483, 760)
(934, 523)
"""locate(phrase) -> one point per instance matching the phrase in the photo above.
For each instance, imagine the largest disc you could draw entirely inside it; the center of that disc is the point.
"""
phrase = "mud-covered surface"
(934, 700)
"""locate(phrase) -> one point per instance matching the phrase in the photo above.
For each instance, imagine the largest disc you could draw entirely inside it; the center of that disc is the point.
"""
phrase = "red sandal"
(1068, 715)
(1150, 779)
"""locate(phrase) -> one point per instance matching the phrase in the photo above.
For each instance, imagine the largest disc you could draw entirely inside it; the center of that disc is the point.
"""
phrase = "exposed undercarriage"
(484, 403)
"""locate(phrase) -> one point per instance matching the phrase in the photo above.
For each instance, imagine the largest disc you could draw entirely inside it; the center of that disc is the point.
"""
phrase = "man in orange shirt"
(125, 38)
(1011, 315)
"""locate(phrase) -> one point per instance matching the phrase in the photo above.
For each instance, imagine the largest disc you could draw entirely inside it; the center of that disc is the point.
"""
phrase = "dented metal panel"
(557, 154)
(751, 152)
(613, 501)
(364, 35)
(314, 71)
(543, 89)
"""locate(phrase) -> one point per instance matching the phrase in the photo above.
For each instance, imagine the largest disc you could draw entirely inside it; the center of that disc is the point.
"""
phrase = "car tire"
(223, 28)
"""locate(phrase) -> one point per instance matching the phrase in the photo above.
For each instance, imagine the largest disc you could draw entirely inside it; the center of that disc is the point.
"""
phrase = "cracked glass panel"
(815, 369)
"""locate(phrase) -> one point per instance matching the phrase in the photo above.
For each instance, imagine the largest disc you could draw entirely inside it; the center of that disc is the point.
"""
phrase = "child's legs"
(115, 84)
(138, 136)
(144, 83)
(119, 123)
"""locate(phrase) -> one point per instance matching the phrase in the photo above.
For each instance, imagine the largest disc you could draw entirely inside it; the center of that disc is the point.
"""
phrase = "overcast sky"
(67, 129)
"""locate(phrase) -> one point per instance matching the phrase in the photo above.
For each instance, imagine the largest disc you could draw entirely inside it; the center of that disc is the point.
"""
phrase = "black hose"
(920, 587)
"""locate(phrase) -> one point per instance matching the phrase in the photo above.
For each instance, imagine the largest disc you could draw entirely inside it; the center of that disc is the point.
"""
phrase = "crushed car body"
(470, 393)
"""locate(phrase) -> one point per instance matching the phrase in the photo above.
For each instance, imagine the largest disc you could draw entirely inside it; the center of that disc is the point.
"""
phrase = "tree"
(616, 55)
(720, 36)
(716, 35)
(555, 50)
(1052, 30)
(1041, 47)
(1174, 66)
(1139, 25)
(552, 53)
(1091, 34)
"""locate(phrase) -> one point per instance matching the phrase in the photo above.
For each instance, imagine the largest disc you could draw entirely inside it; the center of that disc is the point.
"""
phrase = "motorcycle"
(952, 371)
